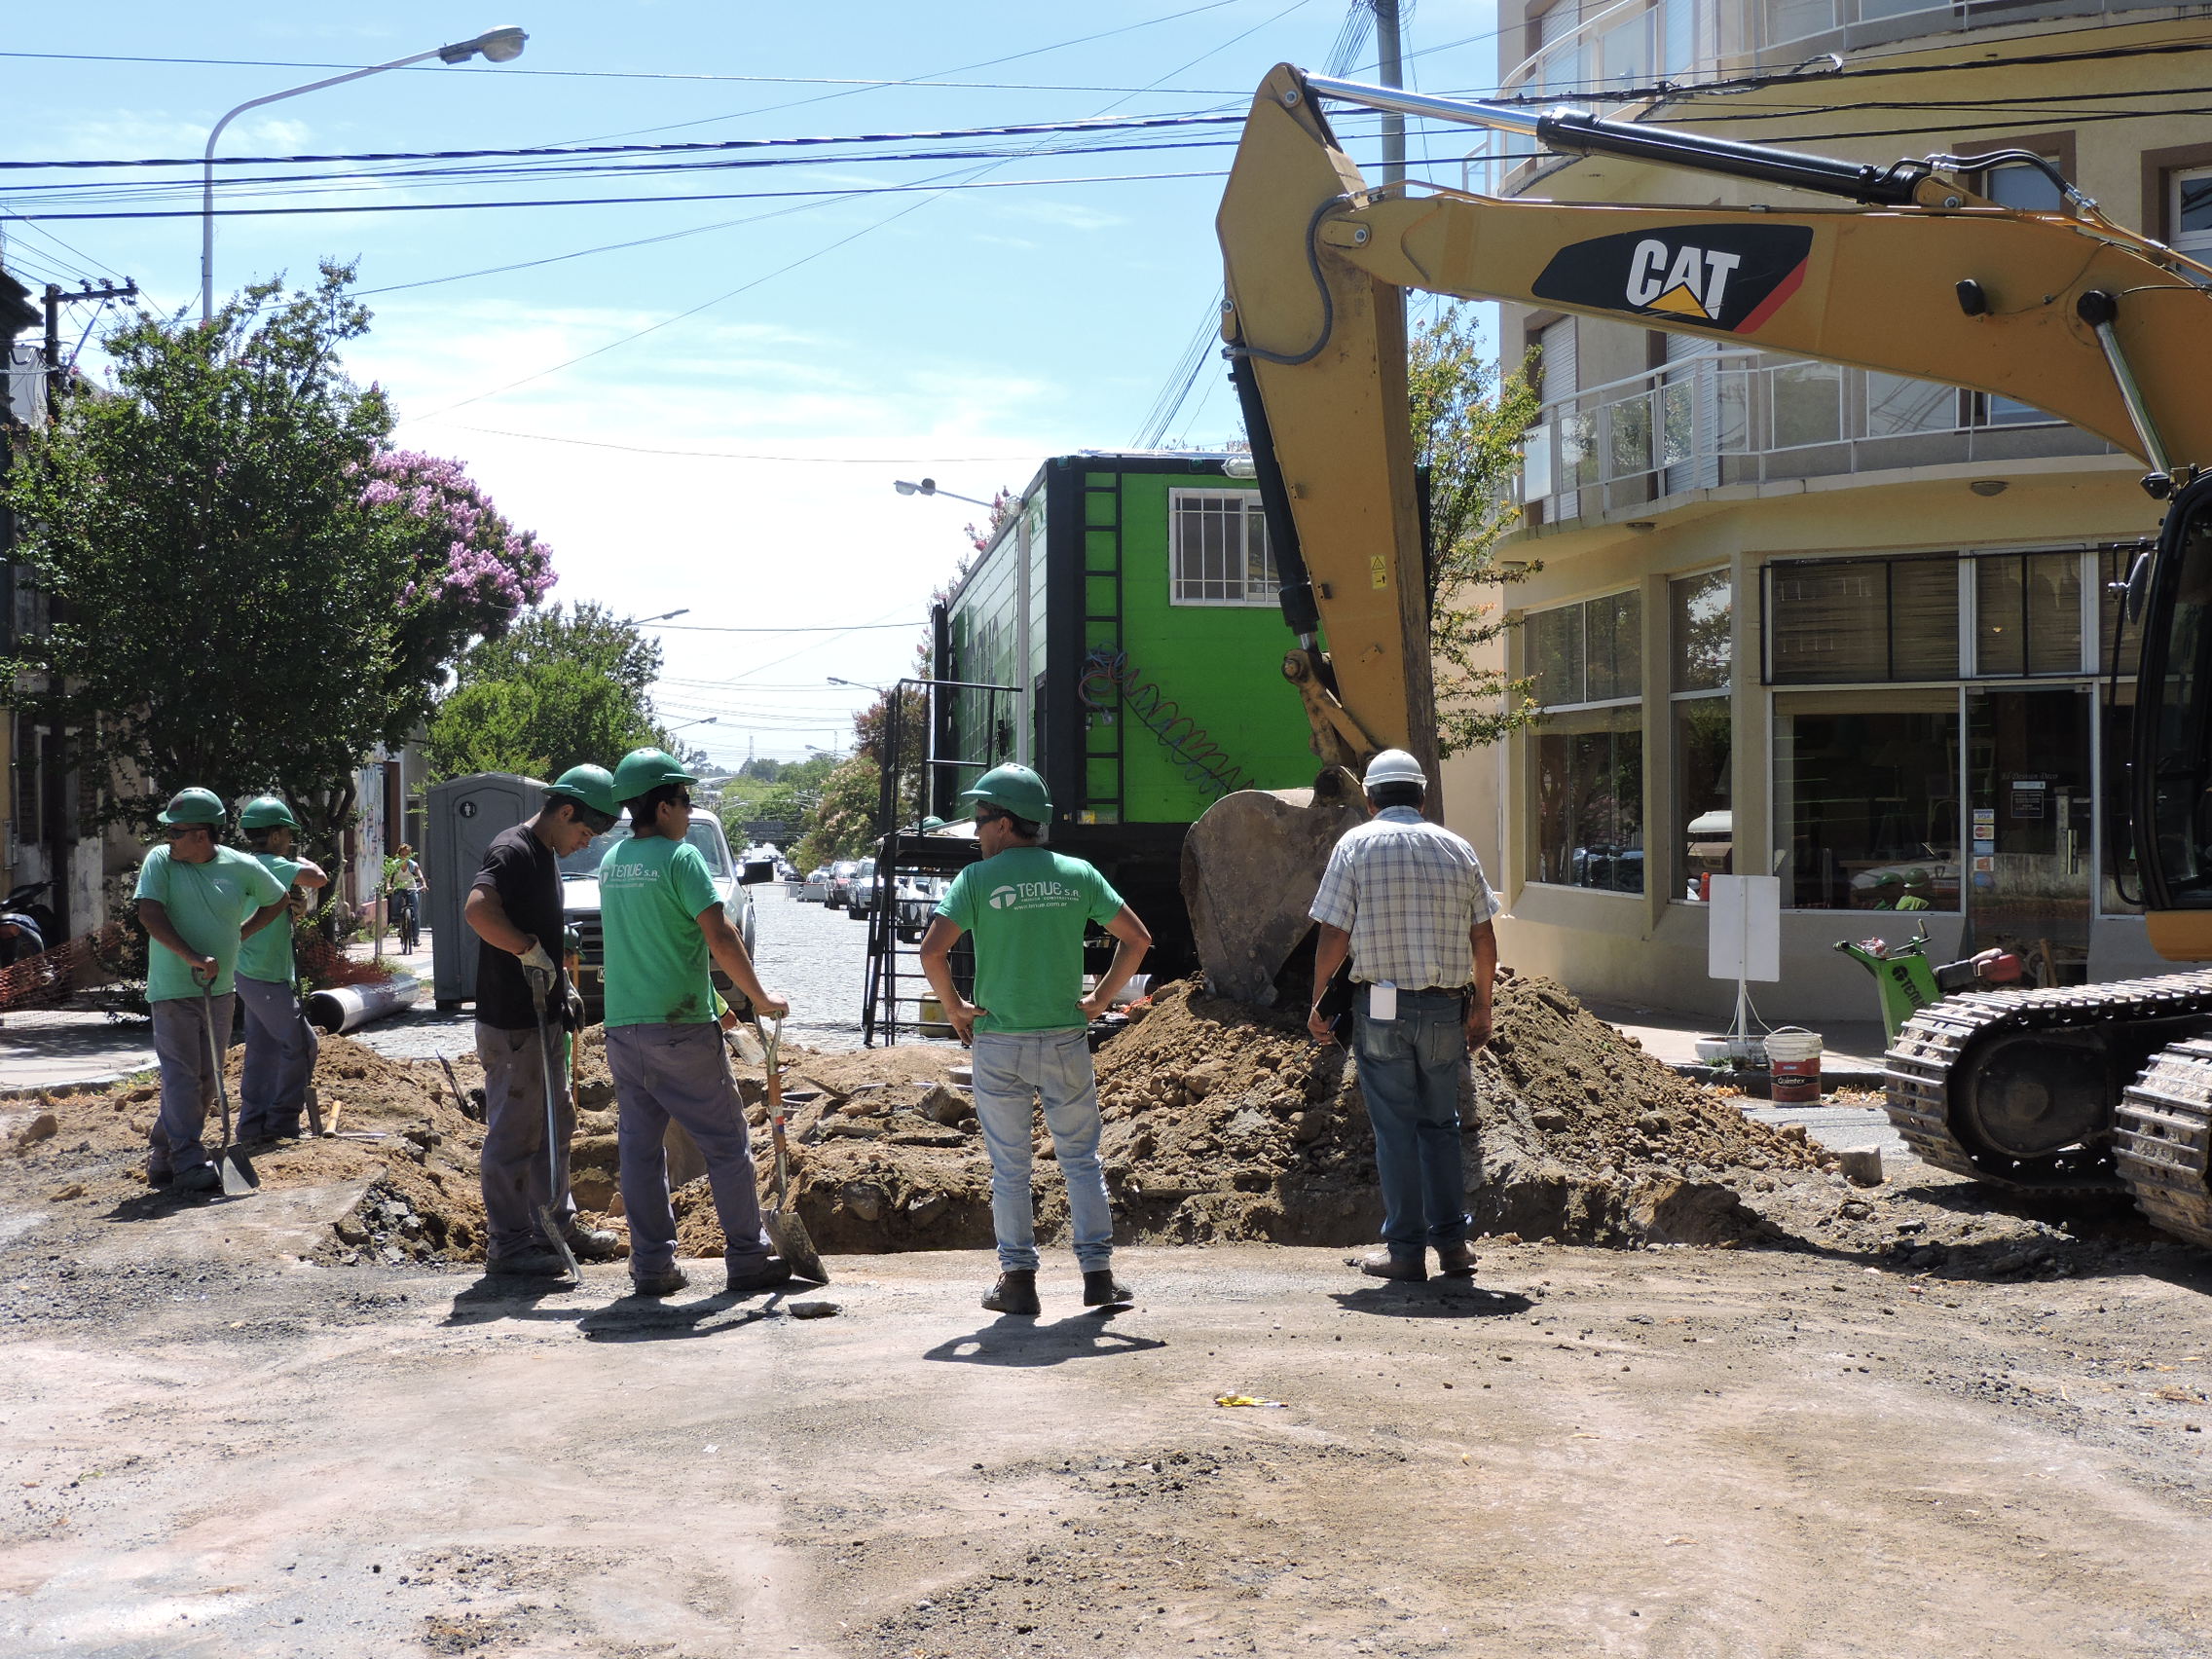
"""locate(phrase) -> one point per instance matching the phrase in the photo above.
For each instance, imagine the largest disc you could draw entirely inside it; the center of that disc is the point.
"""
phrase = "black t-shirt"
(522, 874)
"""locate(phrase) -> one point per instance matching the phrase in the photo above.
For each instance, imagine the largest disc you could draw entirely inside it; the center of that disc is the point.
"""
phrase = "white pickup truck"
(580, 899)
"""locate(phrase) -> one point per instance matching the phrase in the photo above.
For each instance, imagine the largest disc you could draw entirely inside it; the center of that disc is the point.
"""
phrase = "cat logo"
(1730, 277)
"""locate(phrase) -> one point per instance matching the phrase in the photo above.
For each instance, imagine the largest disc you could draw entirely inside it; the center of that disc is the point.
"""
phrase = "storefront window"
(1706, 827)
(1588, 794)
(1852, 621)
(2027, 613)
(1866, 801)
(1698, 625)
(1591, 652)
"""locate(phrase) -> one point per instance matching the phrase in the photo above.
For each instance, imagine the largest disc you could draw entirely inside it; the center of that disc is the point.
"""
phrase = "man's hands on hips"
(1095, 1005)
(963, 1014)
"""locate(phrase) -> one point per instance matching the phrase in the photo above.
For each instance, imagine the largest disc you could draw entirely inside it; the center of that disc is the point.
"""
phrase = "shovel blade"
(549, 1224)
(788, 1236)
(236, 1170)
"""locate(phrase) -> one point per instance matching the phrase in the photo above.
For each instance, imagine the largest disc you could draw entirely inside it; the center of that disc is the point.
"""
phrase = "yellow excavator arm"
(1916, 276)
(2066, 312)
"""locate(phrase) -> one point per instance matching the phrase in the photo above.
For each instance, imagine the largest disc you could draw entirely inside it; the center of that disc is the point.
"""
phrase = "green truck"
(1121, 635)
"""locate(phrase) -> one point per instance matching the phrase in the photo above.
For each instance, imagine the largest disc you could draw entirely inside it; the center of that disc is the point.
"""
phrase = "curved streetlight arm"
(929, 486)
(499, 45)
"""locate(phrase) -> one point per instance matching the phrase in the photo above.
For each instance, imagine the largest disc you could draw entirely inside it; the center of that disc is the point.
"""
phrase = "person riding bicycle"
(403, 886)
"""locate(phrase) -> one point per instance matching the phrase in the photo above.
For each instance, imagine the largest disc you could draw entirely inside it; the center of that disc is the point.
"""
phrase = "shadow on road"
(631, 1318)
(1438, 1298)
(1012, 1340)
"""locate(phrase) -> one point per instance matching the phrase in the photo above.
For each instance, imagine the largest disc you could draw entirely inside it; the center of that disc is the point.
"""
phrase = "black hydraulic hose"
(1296, 597)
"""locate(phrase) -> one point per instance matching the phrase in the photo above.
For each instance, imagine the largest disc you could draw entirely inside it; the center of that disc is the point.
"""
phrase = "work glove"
(572, 1011)
(534, 959)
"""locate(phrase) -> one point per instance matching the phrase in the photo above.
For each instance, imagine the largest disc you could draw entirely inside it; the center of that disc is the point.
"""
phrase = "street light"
(711, 720)
(928, 487)
(858, 686)
(664, 616)
(498, 46)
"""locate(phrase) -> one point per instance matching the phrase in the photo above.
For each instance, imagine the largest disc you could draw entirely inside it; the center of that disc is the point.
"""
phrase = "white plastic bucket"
(1793, 1055)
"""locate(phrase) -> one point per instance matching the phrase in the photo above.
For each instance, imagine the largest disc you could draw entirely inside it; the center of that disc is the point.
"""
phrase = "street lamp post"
(664, 616)
(928, 487)
(710, 719)
(497, 46)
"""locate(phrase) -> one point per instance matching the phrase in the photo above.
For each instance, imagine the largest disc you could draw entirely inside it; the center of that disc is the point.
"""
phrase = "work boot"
(1387, 1264)
(159, 1174)
(1101, 1289)
(765, 1274)
(667, 1282)
(1455, 1260)
(593, 1243)
(528, 1263)
(201, 1179)
(1014, 1293)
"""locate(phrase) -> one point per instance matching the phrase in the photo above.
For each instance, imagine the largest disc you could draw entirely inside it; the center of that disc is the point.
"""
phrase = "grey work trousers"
(513, 1169)
(682, 1072)
(281, 1049)
(188, 1084)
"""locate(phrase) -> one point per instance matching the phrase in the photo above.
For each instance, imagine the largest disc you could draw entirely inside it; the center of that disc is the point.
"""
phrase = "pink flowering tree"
(463, 573)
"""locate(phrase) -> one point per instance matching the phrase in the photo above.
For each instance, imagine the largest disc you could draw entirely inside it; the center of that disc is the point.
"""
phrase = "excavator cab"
(2173, 728)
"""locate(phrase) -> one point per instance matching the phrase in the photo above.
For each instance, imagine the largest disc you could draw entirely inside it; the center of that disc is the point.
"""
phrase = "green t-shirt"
(651, 893)
(207, 904)
(1027, 908)
(268, 954)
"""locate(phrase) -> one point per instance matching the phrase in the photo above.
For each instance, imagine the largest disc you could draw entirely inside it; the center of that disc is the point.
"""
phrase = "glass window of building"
(2027, 614)
(1866, 800)
(1860, 621)
(2031, 190)
(1220, 553)
(2189, 212)
(1587, 757)
(1700, 613)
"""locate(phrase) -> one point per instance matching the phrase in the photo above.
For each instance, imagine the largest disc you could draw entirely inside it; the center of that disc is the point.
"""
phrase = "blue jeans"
(281, 1049)
(1012, 1068)
(680, 1072)
(1410, 1070)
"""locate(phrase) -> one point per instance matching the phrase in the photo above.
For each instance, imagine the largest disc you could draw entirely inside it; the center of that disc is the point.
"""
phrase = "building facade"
(1845, 628)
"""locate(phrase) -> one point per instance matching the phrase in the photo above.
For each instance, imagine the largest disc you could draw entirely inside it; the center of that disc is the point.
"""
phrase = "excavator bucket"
(1251, 865)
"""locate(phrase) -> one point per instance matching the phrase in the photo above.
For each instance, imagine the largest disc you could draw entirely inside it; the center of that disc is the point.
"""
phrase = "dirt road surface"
(1675, 1452)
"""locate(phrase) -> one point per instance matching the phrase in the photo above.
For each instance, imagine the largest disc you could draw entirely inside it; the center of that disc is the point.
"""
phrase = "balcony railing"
(1737, 416)
(1636, 43)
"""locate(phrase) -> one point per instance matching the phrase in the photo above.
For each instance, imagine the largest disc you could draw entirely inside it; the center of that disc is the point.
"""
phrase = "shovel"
(239, 1178)
(550, 1223)
(786, 1232)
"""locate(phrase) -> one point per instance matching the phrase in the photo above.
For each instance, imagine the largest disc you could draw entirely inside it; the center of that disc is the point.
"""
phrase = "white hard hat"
(1394, 766)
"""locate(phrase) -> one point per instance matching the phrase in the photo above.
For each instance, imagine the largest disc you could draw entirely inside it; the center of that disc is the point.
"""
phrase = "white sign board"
(1743, 928)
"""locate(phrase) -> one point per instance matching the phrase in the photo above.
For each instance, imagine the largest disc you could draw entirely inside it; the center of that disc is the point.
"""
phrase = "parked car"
(841, 875)
(580, 899)
(816, 887)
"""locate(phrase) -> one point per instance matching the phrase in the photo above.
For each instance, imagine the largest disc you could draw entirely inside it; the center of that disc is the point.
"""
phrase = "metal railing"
(1740, 417)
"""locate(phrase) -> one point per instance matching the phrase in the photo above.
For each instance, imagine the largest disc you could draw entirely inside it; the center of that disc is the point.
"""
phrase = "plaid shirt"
(1408, 892)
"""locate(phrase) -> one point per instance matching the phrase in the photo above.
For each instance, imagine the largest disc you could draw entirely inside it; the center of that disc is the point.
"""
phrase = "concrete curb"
(76, 1085)
(1759, 1085)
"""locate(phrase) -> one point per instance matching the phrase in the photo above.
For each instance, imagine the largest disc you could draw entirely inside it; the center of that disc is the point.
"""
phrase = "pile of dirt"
(1225, 1121)
(418, 1150)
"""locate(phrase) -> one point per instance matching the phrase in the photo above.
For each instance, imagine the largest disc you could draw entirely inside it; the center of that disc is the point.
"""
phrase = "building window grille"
(1220, 553)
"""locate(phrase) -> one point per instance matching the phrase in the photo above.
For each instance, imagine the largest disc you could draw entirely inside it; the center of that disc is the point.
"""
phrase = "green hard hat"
(267, 812)
(193, 806)
(594, 786)
(645, 770)
(1013, 789)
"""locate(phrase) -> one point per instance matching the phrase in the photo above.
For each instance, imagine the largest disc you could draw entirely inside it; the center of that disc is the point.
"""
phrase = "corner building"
(1843, 627)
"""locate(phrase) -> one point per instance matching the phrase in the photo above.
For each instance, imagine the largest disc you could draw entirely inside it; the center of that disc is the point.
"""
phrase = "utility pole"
(56, 371)
(1389, 54)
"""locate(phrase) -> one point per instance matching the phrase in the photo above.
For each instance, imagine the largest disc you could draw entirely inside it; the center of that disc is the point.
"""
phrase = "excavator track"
(2163, 1140)
(2024, 1088)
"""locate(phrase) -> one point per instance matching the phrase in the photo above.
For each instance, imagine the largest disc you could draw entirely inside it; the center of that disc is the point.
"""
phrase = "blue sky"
(835, 344)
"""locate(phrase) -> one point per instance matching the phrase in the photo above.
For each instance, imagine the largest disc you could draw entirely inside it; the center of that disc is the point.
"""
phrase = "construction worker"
(514, 907)
(1028, 907)
(198, 901)
(280, 1045)
(663, 921)
(1407, 899)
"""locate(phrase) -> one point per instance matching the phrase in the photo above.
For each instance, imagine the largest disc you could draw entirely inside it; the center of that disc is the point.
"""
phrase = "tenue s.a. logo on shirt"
(1014, 895)
(1730, 277)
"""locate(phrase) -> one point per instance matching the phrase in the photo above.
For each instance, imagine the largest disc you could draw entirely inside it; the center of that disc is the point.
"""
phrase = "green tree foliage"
(557, 690)
(1467, 429)
(843, 826)
(245, 595)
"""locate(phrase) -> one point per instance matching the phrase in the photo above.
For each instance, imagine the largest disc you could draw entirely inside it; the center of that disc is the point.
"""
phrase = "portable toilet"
(460, 818)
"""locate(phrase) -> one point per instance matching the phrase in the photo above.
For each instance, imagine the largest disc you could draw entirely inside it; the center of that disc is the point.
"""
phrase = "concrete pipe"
(346, 1007)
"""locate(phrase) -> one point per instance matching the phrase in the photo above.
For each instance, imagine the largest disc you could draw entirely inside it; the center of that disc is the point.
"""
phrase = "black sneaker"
(1014, 1293)
(1101, 1289)
(201, 1179)
(766, 1274)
